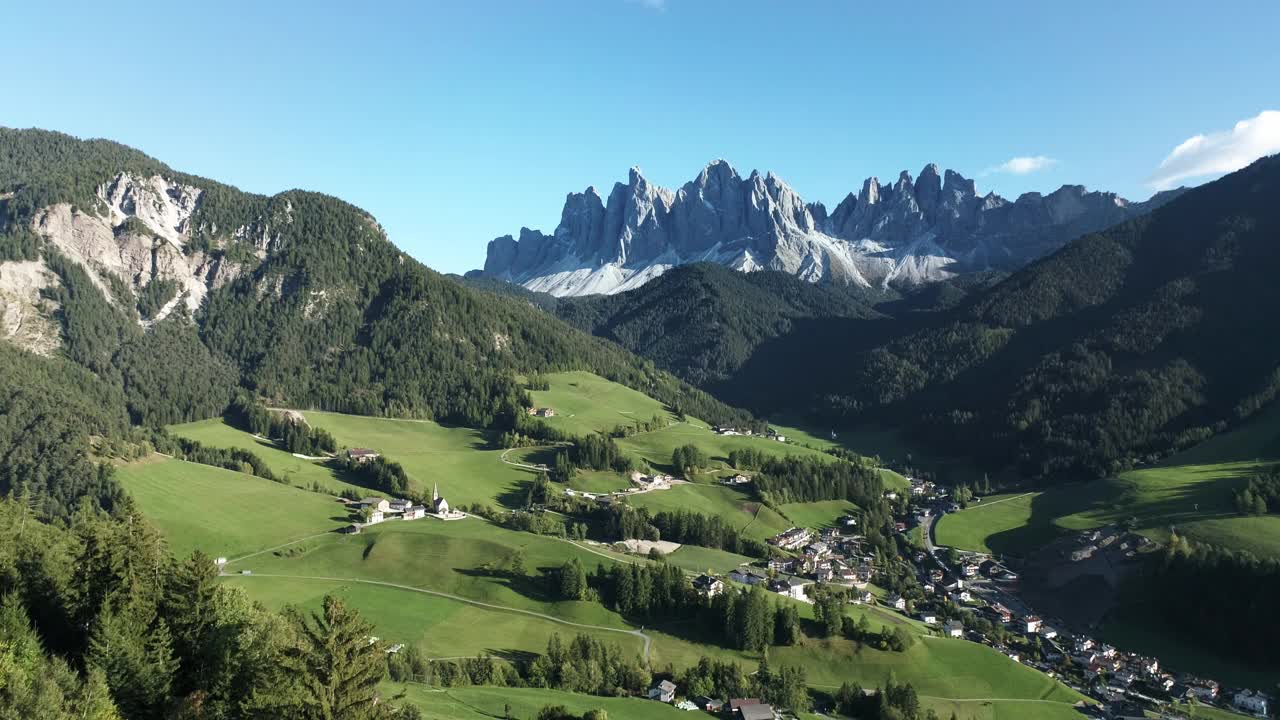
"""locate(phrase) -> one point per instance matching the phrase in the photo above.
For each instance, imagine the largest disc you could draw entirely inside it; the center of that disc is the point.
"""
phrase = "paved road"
(458, 598)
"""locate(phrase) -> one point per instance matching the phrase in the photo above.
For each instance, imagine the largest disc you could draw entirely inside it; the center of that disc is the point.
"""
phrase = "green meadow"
(461, 461)
(817, 515)
(486, 703)
(294, 470)
(221, 512)
(736, 507)
(474, 604)
(586, 403)
(1192, 492)
(440, 627)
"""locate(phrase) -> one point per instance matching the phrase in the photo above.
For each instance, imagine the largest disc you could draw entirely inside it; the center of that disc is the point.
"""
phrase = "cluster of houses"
(736, 709)
(736, 479)
(728, 431)
(651, 482)
(831, 556)
(381, 509)
(543, 412)
(1125, 682)
(1091, 542)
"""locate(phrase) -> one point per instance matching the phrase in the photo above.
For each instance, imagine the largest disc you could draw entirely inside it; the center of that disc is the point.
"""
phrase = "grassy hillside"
(221, 512)
(296, 471)
(448, 588)
(461, 460)
(586, 403)
(439, 626)
(1192, 491)
(739, 509)
(484, 703)
(817, 514)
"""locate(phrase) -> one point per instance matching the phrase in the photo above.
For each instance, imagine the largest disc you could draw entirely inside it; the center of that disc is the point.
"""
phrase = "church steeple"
(435, 495)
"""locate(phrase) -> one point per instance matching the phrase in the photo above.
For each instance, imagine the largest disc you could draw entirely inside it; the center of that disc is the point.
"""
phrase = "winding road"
(458, 598)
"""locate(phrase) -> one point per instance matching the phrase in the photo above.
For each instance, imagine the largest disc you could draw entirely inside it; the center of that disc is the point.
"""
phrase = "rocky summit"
(905, 233)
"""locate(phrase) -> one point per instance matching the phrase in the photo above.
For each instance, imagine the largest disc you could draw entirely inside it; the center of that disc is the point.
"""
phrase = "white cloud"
(1220, 152)
(1022, 165)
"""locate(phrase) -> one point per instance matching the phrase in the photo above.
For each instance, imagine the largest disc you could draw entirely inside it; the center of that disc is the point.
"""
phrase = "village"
(961, 595)
(374, 510)
(972, 596)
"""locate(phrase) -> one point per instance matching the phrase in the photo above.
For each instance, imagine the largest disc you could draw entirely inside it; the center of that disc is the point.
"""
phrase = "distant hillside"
(1129, 342)
(703, 321)
(175, 289)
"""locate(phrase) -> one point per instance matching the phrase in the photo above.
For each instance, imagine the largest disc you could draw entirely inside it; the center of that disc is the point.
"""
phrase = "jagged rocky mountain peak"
(911, 231)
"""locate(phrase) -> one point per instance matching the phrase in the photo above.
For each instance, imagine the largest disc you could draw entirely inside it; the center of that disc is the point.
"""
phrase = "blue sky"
(457, 122)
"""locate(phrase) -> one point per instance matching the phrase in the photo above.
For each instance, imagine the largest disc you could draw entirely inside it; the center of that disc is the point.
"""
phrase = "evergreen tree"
(132, 648)
(338, 667)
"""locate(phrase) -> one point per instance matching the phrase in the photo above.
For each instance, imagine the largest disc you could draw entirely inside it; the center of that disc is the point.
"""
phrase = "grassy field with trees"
(224, 513)
(1193, 491)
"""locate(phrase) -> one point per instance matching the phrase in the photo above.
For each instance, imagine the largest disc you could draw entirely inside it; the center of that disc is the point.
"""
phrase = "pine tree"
(338, 666)
(134, 650)
(189, 611)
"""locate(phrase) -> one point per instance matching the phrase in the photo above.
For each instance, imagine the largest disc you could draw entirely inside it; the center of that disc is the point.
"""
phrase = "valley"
(1014, 473)
(433, 584)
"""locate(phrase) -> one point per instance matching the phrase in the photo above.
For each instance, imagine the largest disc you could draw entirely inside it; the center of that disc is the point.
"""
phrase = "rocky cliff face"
(140, 234)
(906, 233)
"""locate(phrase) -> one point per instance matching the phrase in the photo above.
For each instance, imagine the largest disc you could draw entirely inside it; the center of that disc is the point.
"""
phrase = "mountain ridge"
(906, 233)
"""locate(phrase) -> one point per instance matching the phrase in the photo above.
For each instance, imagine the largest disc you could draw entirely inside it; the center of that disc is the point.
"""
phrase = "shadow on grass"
(533, 587)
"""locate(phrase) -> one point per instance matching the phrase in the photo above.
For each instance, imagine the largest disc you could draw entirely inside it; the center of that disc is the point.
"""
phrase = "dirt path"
(979, 506)
(277, 547)
(459, 598)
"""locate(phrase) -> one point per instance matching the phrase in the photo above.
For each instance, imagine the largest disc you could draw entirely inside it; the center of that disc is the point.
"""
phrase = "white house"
(415, 512)
(399, 506)
(1251, 702)
(376, 503)
(791, 586)
(708, 586)
(1047, 632)
(897, 602)
(1032, 624)
(375, 517)
(664, 691)
(953, 629)
(863, 598)
(928, 618)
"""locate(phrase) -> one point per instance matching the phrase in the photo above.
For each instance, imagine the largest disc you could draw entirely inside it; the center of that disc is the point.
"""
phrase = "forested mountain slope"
(172, 290)
(703, 321)
(1145, 337)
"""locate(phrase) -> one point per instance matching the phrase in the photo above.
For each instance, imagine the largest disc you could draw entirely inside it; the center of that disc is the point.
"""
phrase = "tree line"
(97, 621)
(1187, 577)
(1261, 495)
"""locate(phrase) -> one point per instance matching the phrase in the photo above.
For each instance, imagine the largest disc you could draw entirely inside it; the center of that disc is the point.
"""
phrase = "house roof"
(667, 686)
(372, 501)
(756, 712)
(361, 451)
(738, 703)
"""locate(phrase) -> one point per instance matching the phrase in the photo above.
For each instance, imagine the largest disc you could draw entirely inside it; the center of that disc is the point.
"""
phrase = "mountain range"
(127, 284)
(1125, 344)
(912, 231)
